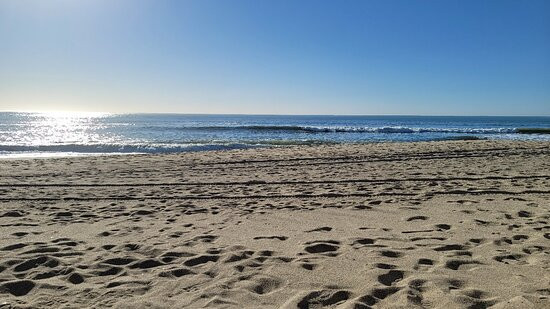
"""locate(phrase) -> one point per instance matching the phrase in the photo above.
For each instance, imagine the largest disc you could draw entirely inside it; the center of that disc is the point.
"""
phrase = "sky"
(276, 57)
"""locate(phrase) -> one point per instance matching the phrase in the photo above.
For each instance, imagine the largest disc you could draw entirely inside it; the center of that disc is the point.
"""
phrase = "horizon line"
(259, 114)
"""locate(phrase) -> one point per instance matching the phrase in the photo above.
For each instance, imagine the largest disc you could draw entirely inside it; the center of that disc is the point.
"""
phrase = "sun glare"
(71, 114)
(60, 127)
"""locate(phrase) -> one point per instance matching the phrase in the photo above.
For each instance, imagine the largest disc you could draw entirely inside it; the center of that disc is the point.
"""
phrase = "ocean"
(66, 134)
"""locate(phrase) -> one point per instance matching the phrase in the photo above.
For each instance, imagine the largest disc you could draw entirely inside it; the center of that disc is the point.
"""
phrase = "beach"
(445, 224)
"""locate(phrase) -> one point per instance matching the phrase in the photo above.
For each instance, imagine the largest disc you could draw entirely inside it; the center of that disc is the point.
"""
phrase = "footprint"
(515, 199)
(323, 298)
(362, 242)
(417, 218)
(64, 214)
(176, 273)
(477, 241)
(321, 229)
(510, 258)
(516, 239)
(131, 247)
(391, 254)
(265, 253)
(110, 271)
(51, 273)
(428, 238)
(532, 249)
(201, 260)
(417, 231)
(454, 284)
(119, 261)
(201, 239)
(423, 264)
(375, 296)
(18, 288)
(475, 299)
(142, 212)
(457, 264)
(308, 266)
(414, 293)
(466, 202)
(75, 278)
(235, 257)
(443, 227)
(450, 247)
(42, 250)
(171, 256)
(12, 214)
(362, 207)
(520, 237)
(385, 266)
(265, 285)
(473, 293)
(322, 246)
(149, 263)
(33, 263)
(13, 247)
(390, 277)
(483, 222)
(271, 237)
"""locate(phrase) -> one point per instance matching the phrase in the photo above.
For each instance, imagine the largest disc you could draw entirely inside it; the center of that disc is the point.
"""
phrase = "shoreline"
(382, 225)
(48, 155)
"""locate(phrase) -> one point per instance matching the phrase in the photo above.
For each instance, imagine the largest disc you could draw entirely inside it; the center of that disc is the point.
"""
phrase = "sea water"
(55, 134)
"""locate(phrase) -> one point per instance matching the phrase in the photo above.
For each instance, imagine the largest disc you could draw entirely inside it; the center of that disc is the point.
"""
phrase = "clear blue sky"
(276, 57)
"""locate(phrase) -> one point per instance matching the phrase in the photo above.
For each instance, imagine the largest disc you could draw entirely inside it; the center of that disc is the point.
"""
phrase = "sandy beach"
(456, 224)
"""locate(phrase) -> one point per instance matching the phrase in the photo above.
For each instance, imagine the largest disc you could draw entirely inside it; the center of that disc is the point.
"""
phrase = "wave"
(121, 148)
(341, 129)
(533, 130)
(460, 138)
(151, 148)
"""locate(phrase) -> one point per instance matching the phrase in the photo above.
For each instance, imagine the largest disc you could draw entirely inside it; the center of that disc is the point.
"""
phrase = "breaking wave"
(343, 129)
(151, 148)
(120, 148)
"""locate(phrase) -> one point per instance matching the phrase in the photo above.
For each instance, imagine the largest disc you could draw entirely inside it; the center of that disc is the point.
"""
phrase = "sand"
(462, 224)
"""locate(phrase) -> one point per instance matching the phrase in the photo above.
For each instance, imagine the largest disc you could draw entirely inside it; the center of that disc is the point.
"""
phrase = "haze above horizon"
(276, 57)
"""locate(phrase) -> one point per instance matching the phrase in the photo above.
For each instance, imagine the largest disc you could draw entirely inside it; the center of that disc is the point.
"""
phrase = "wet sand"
(462, 224)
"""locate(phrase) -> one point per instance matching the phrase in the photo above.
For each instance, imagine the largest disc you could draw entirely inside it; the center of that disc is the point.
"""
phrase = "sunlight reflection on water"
(58, 128)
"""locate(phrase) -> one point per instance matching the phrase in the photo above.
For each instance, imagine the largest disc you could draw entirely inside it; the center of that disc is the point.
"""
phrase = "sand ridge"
(390, 225)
